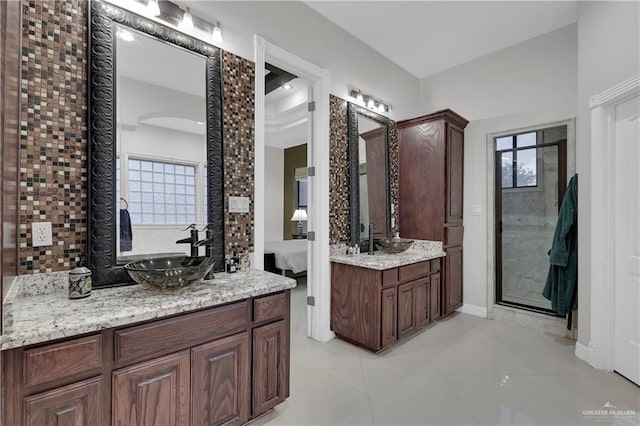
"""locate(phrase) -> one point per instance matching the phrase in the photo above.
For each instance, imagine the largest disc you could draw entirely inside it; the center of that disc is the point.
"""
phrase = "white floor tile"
(462, 370)
(414, 398)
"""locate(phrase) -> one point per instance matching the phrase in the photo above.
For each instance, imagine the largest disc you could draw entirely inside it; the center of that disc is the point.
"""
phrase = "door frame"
(318, 268)
(600, 350)
(549, 321)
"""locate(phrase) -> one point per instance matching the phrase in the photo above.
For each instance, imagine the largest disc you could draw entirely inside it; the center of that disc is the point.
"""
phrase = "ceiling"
(427, 37)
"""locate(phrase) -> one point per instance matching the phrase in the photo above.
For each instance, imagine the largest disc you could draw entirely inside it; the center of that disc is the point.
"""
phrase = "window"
(519, 163)
(161, 193)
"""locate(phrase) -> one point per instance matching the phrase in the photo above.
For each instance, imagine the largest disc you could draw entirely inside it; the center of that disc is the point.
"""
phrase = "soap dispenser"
(80, 281)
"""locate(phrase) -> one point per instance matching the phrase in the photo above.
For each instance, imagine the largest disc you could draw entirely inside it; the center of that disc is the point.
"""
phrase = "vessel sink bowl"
(169, 272)
(393, 245)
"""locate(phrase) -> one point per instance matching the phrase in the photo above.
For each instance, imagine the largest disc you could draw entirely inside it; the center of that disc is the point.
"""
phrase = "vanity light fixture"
(216, 35)
(369, 101)
(153, 8)
(187, 21)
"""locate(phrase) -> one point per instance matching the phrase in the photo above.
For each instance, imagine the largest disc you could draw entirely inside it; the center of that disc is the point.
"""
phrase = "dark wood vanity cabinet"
(377, 308)
(431, 151)
(198, 368)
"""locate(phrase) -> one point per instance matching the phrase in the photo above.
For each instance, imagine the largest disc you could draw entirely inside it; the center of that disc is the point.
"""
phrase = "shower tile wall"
(529, 216)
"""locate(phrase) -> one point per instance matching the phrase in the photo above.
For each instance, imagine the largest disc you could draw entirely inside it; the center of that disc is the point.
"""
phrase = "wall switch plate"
(41, 234)
(238, 204)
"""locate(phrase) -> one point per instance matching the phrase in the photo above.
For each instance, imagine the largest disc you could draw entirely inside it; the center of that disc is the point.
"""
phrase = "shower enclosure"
(530, 183)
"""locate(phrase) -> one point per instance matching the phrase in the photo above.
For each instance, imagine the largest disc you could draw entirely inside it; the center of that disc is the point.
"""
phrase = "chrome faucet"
(372, 232)
(192, 240)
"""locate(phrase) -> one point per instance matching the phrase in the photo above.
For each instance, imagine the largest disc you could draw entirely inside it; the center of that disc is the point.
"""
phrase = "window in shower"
(530, 182)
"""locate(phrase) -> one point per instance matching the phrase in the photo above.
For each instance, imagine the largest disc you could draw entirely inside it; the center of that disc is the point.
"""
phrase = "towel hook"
(126, 203)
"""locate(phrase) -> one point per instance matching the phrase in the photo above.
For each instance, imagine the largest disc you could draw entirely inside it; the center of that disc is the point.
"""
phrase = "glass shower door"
(531, 177)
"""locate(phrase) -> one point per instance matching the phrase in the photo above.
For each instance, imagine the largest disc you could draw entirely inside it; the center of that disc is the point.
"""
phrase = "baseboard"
(585, 353)
(478, 311)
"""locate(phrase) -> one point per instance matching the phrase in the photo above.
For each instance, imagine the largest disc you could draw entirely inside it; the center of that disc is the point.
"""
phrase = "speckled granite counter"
(418, 252)
(38, 309)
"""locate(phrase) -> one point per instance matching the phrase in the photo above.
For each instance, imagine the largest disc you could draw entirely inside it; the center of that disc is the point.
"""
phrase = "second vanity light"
(369, 101)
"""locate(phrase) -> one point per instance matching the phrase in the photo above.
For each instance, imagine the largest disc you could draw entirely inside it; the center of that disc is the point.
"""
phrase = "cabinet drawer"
(59, 360)
(453, 235)
(172, 334)
(389, 277)
(435, 265)
(413, 271)
(270, 307)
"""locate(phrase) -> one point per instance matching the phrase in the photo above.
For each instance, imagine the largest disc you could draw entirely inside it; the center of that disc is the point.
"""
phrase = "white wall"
(299, 29)
(528, 84)
(608, 53)
(274, 193)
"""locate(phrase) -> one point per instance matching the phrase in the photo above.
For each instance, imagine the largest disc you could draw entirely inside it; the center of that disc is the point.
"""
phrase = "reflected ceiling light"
(200, 123)
(287, 86)
(153, 8)
(125, 35)
(216, 35)
(187, 21)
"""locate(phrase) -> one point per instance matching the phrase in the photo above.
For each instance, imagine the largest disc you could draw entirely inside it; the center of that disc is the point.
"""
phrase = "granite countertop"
(35, 316)
(418, 252)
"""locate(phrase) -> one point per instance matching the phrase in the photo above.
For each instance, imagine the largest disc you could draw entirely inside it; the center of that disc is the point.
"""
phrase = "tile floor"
(463, 370)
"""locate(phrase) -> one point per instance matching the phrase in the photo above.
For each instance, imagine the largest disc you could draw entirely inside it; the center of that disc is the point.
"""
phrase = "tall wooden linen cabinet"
(430, 172)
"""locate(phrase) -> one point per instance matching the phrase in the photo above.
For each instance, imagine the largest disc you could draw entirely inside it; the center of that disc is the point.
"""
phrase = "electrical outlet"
(41, 234)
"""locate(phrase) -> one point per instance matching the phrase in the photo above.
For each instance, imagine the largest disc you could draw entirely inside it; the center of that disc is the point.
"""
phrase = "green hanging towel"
(562, 279)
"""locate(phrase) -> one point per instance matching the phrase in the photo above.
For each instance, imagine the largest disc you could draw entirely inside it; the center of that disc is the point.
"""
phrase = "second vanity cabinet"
(376, 308)
(220, 366)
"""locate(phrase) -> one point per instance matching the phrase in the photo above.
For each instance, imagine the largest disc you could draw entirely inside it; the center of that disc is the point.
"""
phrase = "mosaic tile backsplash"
(238, 135)
(339, 222)
(53, 135)
(53, 132)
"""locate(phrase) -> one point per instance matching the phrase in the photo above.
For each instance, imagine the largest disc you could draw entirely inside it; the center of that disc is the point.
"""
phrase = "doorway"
(530, 180)
(318, 271)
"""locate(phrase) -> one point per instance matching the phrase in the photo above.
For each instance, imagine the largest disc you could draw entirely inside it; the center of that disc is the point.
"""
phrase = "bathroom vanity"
(215, 352)
(377, 301)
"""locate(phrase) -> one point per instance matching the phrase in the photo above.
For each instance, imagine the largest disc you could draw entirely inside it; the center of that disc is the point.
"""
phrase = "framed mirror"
(370, 198)
(155, 141)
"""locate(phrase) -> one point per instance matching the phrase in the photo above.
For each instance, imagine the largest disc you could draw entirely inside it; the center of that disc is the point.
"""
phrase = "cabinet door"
(220, 382)
(452, 294)
(421, 302)
(389, 317)
(406, 310)
(270, 366)
(454, 180)
(155, 392)
(79, 404)
(435, 301)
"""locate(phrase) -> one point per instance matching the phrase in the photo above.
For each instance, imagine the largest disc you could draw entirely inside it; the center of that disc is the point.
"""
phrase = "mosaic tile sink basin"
(169, 272)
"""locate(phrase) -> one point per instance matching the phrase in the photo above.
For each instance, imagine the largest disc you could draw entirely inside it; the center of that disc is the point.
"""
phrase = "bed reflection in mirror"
(161, 144)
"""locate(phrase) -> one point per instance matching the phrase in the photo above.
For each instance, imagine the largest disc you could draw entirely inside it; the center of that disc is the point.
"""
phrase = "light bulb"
(381, 107)
(125, 35)
(371, 104)
(187, 21)
(216, 35)
(153, 8)
(359, 98)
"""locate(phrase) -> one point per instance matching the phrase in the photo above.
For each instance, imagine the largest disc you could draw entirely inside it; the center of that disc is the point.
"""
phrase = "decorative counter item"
(80, 281)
